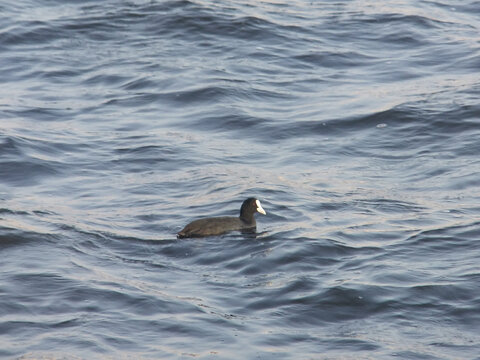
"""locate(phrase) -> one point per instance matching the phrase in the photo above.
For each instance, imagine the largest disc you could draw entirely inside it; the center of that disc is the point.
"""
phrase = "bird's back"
(213, 226)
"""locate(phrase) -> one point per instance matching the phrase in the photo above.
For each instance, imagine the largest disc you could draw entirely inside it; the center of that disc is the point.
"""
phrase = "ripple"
(354, 123)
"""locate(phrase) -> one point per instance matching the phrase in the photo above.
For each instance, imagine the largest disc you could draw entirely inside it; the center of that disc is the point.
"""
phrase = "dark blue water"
(356, 123)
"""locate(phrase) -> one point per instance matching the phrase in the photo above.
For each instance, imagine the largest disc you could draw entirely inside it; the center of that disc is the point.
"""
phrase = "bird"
(221, 225)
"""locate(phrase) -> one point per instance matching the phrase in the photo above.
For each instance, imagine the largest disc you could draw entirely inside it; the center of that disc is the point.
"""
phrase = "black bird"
(221, 225)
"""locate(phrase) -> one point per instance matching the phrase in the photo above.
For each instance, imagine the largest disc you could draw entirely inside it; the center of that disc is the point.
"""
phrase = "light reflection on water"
(353, 123)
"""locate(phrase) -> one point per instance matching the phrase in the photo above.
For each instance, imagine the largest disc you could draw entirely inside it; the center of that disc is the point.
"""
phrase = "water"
(356, 123)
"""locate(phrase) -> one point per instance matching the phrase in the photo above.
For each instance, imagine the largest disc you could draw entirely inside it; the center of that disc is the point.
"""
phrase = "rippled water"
(356, 123)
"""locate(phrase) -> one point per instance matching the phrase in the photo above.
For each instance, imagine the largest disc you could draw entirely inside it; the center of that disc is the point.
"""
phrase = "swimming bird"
(220, 225)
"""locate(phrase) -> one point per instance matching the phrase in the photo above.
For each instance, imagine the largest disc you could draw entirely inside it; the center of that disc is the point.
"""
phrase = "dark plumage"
(221, 225)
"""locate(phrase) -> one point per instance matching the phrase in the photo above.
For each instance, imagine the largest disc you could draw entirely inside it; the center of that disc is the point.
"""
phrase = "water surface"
(356, 123)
